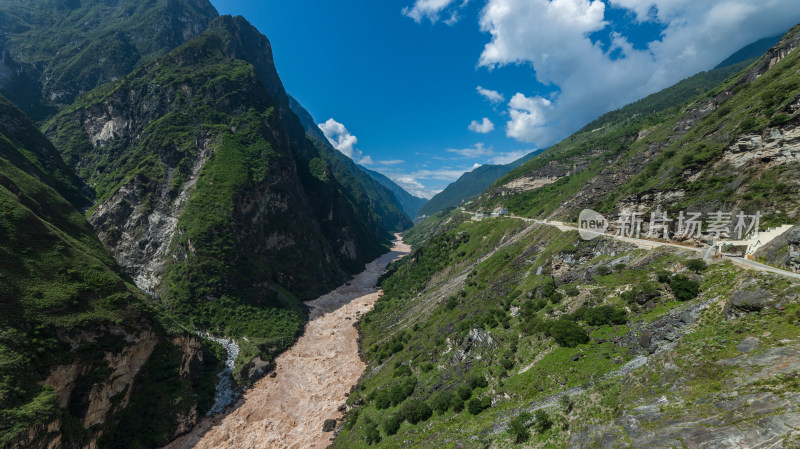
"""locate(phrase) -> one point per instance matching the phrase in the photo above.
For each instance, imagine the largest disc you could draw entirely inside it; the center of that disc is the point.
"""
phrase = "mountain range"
(528, 331)
(158, 184)
(208, 208)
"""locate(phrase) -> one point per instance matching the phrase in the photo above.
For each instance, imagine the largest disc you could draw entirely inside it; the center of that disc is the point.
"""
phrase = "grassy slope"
(664, 159)
(449, 313)
(57, 281)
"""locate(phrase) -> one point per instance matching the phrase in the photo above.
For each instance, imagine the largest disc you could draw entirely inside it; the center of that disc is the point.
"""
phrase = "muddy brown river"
(313, 376)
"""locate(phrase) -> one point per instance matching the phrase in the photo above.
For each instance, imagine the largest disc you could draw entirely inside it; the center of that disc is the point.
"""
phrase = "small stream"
(227, 390)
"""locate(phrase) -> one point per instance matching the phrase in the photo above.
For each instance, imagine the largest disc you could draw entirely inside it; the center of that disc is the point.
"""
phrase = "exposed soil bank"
(313, 376)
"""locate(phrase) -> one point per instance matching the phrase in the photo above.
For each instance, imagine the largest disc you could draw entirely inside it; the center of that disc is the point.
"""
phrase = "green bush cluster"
(518, 428)
(642, 293)
(684, 288)
(599, 316)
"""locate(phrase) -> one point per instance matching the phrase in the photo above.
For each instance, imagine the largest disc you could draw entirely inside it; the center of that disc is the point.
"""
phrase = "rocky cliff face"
(211, 195)
(53, 51)
(80, 349)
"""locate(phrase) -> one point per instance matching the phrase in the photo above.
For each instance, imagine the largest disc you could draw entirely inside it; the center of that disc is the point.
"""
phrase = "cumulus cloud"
(482, 128)
(476, 151)
(341, 139)
(554, 36)
(488, 154)
(414, 187)
(413, 183)
(491, 95)
(433, 10)
(528, 117)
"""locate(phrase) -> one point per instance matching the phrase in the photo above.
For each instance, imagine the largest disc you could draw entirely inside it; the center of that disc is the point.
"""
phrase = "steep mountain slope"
(750, 52)
(468, 185)
(211, 196)
(37, 157)
(53, 50)
(507, 334)
(410, 203)
(475, 182)
(511, 333)
(730, 149)
(83, 357)
(389, 207)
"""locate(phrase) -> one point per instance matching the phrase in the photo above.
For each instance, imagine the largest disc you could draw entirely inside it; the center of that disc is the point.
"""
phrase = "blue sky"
(402, 77)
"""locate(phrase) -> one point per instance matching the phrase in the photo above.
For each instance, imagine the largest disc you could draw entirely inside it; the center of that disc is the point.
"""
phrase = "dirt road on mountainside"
(313, 376)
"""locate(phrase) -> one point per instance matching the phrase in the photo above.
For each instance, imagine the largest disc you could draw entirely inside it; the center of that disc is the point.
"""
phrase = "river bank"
(312, 378)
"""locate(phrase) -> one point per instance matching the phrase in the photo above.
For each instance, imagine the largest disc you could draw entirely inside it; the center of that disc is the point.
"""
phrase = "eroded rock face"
(749, 297)
(784, 251)
(775, 146)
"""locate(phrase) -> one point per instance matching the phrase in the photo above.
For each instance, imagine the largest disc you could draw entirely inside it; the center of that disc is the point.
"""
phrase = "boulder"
(748, 344)
(747, 298)
(329, 425)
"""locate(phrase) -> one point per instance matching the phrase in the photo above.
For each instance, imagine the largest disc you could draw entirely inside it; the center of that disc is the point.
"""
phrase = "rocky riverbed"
(311, 380)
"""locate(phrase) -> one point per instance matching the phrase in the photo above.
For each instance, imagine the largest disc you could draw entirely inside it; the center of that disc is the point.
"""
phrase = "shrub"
(599, 316)
(382, 400)
(372, 434)
(518, 429)
(603, 271)
(543, 422)
(572, 291)
(663, 276)
(696, 265)
(507, 363)
(414, 411)
(451, 303)
(641, 294)
(549, 293)
(477, 382)
(684, 288)
(391, 425)
(568, 334)
(619, 267)
(474, 406)
(399, 392)
(464, 392)
(402, 371)
(443, 401)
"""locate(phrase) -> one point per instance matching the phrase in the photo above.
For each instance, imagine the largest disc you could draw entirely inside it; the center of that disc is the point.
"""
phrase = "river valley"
(312, 379)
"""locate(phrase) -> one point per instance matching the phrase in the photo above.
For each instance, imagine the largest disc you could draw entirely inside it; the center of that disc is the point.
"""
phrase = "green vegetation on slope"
(59, 49)
(485, 320)
(64, 301)
(675, 150)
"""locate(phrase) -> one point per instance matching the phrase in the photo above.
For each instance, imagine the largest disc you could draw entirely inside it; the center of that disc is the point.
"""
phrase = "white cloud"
(478, 150)
(491, 95)
(482, 128)
(414, 187)
(553, 37)
(432, 10)
(527, 117)
(392, 162)
(341, 139)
